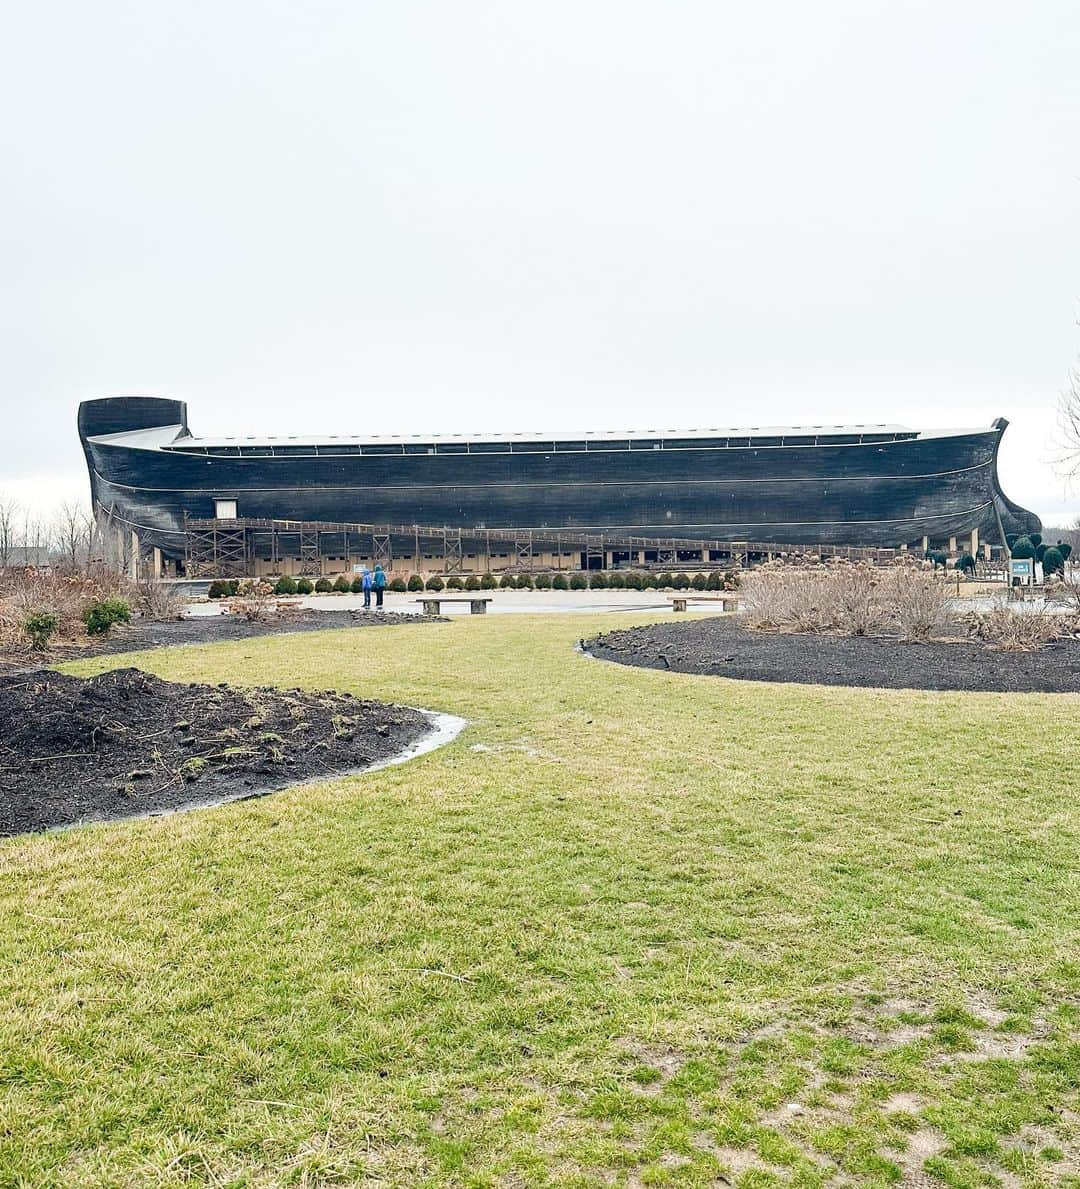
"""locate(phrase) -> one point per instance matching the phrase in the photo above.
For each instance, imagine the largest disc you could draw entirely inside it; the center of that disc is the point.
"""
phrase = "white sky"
(407, 217)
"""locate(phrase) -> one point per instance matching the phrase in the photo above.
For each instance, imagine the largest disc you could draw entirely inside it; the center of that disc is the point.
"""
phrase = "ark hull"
(879, 486)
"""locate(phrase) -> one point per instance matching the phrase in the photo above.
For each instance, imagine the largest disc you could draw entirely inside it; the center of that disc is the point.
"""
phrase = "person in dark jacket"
(365, 582)
(380, 583)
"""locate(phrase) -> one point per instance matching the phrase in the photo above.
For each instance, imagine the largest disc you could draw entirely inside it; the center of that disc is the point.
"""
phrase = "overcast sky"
(411, 217)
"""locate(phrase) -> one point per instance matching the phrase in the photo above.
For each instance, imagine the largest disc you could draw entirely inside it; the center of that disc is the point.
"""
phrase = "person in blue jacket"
(380, 583)
(365, 582)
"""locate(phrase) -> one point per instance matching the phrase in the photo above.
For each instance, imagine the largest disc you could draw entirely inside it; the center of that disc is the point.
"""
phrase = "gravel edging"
(723, 647)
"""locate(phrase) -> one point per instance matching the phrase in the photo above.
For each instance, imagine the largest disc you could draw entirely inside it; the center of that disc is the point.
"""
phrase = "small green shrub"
(699, 581)
(1035, 539)
(218, 589)
(559, 582)
(305, 586)
(598, 580)
(487, 582)
(357, 585)
(543, 582)
(416, 583)
(681, 582)
(342, 584)
(633, 581)
(715, 581)
(524, 582)
(455, 583)
(1023, 547)
(40, 627)
(965, 563)
(285, 585)
(578, 582)
(648, 581)
(324, 586)
(616, 581)
(233, 587)
(397, 585)
(663, 580)
(1065, 549)
(100, 615)
(472, 582)
(435, 583)
(506, 582)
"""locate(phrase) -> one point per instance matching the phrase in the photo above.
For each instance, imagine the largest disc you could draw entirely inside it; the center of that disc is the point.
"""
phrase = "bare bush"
(254, 600)
(917, 603)
(1065, 593)
(159, 600)
(1015, 629)
(27, 592)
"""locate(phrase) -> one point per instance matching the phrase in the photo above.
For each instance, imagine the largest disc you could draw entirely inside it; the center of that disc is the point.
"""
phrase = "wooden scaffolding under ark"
(229, 548)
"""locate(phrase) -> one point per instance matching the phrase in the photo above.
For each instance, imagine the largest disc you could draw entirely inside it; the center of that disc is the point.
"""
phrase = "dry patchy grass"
(630, 928)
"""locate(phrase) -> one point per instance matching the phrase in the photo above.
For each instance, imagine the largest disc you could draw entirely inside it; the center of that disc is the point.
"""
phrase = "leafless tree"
(1069, 426)
(73, 533)
(9, 509)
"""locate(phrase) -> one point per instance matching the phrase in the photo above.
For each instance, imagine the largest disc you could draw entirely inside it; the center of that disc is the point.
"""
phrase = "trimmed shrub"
(1065, 549)
(965, 563)
(1011, 539)
(598, 580)
(285, 585)
(357, 585)
(397, 585)
(487, 582)
(633, 581)
(680, 582)
(579, 582)
(100, 615)
(324, 586)
(524, 582)
(305, 586)
(1035, 539)
(699, 581)
(435, 583)
(715, 581)
(559, 582)
(218, 589)
(1052, 561)
(40, 627)
(415, 583)
(1023, 547)
(663, 580)
(472, 582)
(455, 583)
(506, 582)
(233, 586)
(543, 582)
(616, 581)
(342, 584)
(648, 582)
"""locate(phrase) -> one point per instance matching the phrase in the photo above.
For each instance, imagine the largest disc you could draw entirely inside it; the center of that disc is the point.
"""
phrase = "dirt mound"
(127, 742)
(725, 648)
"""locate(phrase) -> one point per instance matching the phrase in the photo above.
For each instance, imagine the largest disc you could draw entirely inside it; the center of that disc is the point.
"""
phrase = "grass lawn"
(631, 928)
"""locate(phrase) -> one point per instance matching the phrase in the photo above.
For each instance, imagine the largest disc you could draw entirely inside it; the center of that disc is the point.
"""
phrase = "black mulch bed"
(209, 629)
(725, 648)
(126, 743)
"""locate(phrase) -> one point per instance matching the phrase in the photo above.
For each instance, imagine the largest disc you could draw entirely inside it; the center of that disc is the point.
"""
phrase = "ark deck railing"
(226, 547)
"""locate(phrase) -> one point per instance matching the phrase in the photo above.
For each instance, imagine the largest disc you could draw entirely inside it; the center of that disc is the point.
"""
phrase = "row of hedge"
(579, 580)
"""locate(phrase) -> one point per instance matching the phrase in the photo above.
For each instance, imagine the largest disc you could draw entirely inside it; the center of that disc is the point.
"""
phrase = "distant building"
(874, 485)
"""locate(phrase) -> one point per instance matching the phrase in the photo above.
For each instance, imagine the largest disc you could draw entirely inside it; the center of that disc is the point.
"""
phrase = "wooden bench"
(431, 603)
(728, 602)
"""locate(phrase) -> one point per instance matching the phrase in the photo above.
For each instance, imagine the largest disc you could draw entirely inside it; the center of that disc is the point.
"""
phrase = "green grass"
(630, 928)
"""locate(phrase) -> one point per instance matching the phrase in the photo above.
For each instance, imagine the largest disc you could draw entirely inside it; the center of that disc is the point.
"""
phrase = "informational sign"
(1021, 569)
